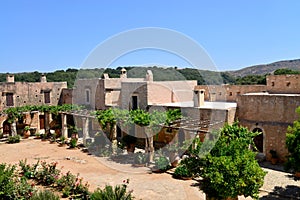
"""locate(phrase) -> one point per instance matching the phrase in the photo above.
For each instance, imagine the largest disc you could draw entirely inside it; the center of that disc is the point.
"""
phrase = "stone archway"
(259, 140)
(6, 128)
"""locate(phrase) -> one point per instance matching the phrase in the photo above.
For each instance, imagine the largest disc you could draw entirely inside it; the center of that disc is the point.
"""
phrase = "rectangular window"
(87, 96)
(134, 103)
(9, 99)
(47, 97)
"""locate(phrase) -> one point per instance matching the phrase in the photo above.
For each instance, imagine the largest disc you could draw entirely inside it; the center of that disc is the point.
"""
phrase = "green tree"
(285, 71)
(293, 145)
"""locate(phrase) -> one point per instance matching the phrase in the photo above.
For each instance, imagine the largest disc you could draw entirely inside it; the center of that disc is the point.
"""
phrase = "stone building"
(17, 94)
(269, 109)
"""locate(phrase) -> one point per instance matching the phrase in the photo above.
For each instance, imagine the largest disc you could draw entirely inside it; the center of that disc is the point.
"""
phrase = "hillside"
(267, 68)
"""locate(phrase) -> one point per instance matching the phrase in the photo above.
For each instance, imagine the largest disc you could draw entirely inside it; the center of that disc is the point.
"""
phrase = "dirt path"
(99, 171)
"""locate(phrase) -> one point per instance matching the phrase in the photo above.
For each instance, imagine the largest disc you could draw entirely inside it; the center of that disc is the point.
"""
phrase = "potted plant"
(140, 159)
(37, 135)
(293, 146)
(53, 138)
(230, 169)
(62, 141)
(26, 131)
(161, 164)
(183, 172)
(129, 141)
(73, 143)
(274, 157)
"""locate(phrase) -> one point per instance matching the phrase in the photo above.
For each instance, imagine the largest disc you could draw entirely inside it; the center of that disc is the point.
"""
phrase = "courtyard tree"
(293, 146)
(230, 169)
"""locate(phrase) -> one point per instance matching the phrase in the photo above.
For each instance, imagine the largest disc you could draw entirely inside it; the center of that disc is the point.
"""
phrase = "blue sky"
(59, 34)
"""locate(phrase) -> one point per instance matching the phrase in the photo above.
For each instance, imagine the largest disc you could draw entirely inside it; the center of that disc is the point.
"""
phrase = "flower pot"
(26, 134)
(297, 174)
(274, 161)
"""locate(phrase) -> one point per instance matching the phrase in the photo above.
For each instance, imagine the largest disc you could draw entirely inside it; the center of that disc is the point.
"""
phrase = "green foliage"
(230, 169)
(73, 143)
(251, 80)
(285, 71)
(28, 170)
(7, 184)
(140, 117)
(293, 145)
(162, 163)
(44, 194)
(47, 174)
(119, 192)
(173, 115)
(140, 158)
(182, 171)
(13, 139)
(106, 117)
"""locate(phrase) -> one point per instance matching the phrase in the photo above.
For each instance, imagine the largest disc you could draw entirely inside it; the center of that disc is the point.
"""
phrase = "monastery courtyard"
(99, 171)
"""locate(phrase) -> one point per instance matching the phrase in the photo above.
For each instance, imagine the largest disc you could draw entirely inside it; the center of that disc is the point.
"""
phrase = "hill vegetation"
(247, 76)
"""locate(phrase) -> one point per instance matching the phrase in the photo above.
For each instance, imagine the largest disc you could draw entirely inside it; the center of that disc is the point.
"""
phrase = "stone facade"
(271, 114)
(16, 94)
(283, 84)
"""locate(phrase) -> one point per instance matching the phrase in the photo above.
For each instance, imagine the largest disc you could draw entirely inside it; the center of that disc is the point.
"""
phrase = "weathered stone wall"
(130, 89)
(272, 113)
(228, 93)
(31, 93)
(66, 96)
(284, 84)
(82, 86)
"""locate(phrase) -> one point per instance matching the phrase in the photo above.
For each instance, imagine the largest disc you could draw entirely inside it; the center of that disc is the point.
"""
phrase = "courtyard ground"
(99, 171)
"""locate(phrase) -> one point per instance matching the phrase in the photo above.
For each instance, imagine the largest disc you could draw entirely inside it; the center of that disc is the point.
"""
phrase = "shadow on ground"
(289, 192)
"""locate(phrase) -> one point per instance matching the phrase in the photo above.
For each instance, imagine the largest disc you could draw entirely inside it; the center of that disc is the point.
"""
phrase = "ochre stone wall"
(31, 93)
(284, 84)
(272, 113)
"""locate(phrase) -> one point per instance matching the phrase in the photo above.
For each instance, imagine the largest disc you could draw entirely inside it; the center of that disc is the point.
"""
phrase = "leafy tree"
(293, 145)
(230, 169)
(285, 71)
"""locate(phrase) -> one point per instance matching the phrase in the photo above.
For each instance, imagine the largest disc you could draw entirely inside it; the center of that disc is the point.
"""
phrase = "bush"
(140, 158)
(73, 143)
(109, 193)
(14, 139)
(48, 173)
(162, 163)
(293, 146)
(230, 169)
(44, 194)
(7, 184)
(182, 171)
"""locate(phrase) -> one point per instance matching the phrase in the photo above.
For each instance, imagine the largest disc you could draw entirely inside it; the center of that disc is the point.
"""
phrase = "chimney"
(43, 78)
(123, 73)
(149, 76)
(199, 98)
(10, 78)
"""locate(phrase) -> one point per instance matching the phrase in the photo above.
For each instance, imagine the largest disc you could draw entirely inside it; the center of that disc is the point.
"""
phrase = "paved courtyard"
(99, 171)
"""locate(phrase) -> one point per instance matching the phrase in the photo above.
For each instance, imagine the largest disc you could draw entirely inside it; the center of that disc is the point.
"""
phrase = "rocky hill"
(267, 68)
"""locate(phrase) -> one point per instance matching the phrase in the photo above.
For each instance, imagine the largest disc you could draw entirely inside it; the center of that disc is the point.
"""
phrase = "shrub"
(28, 170)
(73, 143)
(162, 163)
(182, 171)
(140, 158)
(48, 173)
(14, 139)
(44, 194)
(7, 184)
(118, 192)
(230, 169)
(293, 146)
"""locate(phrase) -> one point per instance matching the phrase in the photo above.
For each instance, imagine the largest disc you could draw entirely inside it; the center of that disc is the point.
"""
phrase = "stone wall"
(228, 93)
(284, 84)
(272, 113)
(31, 93)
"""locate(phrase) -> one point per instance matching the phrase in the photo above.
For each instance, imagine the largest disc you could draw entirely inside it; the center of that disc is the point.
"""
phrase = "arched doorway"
(259, 140)
(6, 128)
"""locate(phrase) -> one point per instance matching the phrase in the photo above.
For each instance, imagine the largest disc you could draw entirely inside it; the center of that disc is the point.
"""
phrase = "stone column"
(85, 129)
(64, 127)
(13, 128)
(47, 121)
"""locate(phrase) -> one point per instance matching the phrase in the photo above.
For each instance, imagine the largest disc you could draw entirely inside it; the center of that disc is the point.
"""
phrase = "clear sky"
(49, 35)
